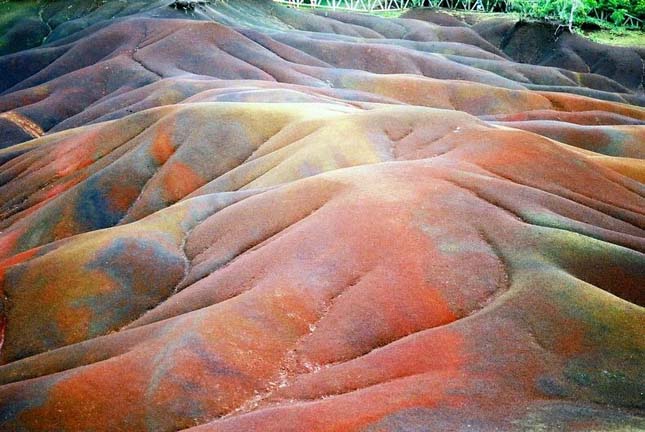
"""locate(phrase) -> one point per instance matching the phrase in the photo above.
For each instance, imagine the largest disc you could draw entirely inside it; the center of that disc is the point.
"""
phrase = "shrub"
(613, 12)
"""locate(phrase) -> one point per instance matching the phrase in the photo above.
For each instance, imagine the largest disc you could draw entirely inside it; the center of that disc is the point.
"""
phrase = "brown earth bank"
(226, 216)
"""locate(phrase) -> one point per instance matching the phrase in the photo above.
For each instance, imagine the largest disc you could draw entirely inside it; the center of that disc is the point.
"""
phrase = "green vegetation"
(619, 37)
(607, 14)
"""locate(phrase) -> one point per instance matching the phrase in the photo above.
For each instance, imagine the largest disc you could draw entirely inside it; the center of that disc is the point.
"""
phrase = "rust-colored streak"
(24, 123)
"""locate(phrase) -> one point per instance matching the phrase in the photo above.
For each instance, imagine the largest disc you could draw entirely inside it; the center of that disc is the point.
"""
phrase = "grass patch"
(617, 37)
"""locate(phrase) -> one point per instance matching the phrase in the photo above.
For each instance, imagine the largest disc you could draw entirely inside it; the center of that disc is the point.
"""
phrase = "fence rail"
(393, 5)
(628, 21)
(354, 5)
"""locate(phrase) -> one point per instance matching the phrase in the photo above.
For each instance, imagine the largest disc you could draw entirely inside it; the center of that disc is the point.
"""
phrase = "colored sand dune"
(234, 216)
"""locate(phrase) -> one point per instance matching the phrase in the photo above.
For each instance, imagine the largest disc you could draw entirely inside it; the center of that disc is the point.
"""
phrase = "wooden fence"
(353, 5)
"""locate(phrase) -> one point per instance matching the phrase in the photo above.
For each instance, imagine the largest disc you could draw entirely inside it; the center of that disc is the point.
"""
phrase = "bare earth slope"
(236, 216)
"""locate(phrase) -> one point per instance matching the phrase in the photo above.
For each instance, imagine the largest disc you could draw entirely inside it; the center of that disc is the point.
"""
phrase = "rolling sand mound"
(235, 216)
